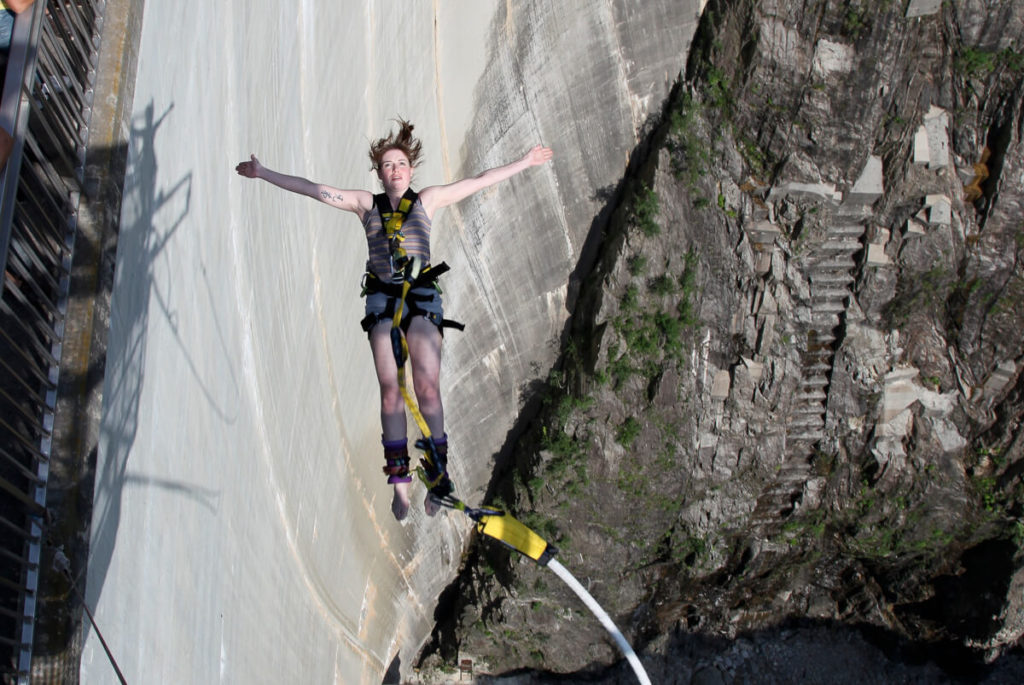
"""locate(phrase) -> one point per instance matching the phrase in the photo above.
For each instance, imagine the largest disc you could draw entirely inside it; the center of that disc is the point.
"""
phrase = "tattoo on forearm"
(336, 197)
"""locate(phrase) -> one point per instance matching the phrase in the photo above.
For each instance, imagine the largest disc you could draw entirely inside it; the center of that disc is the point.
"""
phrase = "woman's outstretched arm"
(436, 197)
(357, 201)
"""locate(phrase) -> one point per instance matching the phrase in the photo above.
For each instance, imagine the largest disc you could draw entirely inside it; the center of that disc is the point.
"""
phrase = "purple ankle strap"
(396, 459)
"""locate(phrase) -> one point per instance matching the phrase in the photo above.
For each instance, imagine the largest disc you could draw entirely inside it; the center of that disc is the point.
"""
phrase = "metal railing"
(46, 105)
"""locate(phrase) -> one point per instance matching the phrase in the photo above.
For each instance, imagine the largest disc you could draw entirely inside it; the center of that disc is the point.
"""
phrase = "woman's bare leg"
(392, 406)
(424, 340)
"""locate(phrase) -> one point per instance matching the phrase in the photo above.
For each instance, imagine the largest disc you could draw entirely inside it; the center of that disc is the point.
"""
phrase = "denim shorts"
(424, 301)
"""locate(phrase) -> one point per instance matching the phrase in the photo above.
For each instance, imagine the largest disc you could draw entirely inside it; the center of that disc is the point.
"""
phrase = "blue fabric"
(376, 303)
(6, 28)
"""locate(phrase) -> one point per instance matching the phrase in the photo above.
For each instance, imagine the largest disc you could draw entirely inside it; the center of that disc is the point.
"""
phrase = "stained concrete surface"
(241, 526)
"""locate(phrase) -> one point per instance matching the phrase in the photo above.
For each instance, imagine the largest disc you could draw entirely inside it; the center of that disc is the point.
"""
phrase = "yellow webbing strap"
(514, 534)
(393, 226)
(396, 323)
(401, 349)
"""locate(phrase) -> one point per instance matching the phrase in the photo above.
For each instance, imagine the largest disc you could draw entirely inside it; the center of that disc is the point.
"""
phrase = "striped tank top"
(415, 228)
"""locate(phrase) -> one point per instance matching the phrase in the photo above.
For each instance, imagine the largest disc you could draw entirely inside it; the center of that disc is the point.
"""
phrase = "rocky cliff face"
(793, 390)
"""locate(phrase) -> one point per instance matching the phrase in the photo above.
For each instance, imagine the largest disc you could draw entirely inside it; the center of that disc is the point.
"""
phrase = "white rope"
(602, 616)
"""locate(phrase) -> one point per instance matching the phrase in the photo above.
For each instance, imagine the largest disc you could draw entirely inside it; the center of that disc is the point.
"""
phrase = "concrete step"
(764, 233)
(816, 409)
(823, 339)
(793, 474)
(811, 396)
(848, 246)
(828, 291)
(807, 422)
(831, 278)
(854, 210)
(837, 262)
(846, 230)
(827, 307)
(818, 365)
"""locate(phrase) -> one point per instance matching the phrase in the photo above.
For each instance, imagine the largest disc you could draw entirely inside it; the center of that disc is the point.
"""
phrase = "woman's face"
(394, 171)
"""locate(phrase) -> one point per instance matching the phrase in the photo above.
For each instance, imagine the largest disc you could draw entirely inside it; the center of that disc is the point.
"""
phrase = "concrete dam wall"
(241, 526)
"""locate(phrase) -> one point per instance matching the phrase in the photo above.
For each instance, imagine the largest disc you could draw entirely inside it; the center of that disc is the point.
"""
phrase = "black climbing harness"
(399, 286)
(419, 292)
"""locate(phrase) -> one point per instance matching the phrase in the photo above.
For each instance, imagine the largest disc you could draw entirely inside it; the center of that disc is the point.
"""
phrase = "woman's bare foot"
(431, 505)
(400, 502)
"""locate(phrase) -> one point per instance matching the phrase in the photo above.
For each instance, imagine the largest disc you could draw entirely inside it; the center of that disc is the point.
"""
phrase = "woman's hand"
(250, 169)
(538, 155)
